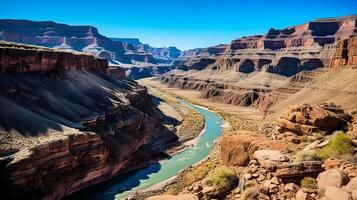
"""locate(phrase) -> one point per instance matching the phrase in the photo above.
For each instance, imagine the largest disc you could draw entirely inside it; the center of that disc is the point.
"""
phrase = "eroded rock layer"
(69, 125)
(346, 53)
(260, 70)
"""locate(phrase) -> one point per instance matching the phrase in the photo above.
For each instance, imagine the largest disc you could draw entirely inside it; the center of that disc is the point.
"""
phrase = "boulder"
(291, 187)
(352, 185)
(301, 195)
(275, 180)
(354, 195)
(269, 158)
(332, 177)
(295, 172)
(306, 119)
(209, 191)
(332, 163)
(247, 176)
(174, 197)
(197, 188)
(238, 149)
(335, 193)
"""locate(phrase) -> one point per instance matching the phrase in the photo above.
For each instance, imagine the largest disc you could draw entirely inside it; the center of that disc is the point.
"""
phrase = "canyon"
(69, 121)
(139, 60)
(71, 115)
(258, 71)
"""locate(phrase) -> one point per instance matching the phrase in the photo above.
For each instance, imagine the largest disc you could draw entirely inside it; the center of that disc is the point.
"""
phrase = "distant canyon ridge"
(284, 52)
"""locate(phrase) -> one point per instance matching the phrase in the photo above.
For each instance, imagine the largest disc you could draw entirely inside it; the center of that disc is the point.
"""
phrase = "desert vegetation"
(309, 182)
(338, 147)
(307, 155)
(222, 178)
(191, 126)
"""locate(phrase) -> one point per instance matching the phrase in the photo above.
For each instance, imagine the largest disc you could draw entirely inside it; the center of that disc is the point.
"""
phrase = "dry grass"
(192, 125)
(237, 123)
(188, 177)
(309, 182)
(222, 178)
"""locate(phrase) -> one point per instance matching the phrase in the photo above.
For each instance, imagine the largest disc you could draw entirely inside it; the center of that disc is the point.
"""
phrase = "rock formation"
(118, 51)
(306, 119)
(346, 53)
(249, 71)
(68, 121)
(160, 53)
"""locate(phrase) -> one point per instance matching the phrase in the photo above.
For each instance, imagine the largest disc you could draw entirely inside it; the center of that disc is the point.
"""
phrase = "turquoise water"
(123, 185)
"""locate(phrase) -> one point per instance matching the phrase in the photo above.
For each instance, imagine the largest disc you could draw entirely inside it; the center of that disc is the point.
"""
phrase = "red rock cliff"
(346, 53)
(61, 132)
(16, 58)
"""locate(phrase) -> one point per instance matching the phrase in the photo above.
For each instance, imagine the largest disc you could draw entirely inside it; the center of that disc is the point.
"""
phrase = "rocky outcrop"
(65, 127)
(238, 149)
(295, 172)
(346, 53)
(306, 119)
(16, 58)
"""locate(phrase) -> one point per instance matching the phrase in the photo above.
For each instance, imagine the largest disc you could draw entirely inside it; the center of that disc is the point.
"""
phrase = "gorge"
(253, 119)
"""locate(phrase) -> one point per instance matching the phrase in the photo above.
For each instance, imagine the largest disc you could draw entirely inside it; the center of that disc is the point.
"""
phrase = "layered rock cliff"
(346, 53)
(68, 121)
(122, 52)
(259, 70)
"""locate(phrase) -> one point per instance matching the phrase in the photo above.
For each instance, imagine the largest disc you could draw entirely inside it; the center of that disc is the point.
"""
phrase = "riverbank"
(160, 171)
(272, 159)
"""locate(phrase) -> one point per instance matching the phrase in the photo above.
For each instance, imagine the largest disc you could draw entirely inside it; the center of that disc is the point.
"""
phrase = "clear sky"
(182, 23)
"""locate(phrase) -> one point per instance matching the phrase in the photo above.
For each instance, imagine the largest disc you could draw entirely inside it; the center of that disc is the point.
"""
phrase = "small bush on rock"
(222, 178)
(339, 146)
(308, 155)
(309, 182)
(251, 193)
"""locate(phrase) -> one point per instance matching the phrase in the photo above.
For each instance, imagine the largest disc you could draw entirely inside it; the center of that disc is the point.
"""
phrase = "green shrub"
(197, 174)
(222, 178)
(308, 155)
(251, 193)
(338, 147)
(309, 182)
(172, 190)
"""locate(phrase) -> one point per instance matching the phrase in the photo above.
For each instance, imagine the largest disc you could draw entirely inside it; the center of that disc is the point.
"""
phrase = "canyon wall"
(285, 52)
(259, 70)
(68, 121)
(346, 53)
(124, 52)
(22, 58)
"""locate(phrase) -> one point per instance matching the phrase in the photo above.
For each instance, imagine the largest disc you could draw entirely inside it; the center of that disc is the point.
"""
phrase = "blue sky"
(182, 23)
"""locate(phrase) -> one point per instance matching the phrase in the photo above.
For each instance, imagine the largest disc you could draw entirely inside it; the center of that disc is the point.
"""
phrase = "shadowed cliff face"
(64, 128)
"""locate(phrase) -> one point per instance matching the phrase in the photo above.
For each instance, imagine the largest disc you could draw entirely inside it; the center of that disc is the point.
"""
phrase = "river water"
(121, 186)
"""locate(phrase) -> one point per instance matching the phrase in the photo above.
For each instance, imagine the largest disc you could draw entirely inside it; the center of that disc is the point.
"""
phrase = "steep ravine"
(68, 121)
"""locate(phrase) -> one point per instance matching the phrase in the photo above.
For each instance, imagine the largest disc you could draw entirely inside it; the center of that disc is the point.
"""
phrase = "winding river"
(121, 186)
